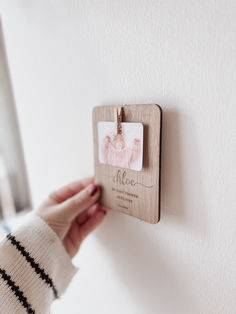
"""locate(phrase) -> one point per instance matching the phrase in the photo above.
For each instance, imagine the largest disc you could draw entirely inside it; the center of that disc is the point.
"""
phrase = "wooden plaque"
(136, 193)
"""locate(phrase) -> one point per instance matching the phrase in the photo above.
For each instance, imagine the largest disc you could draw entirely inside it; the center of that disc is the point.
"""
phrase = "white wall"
(68, 56)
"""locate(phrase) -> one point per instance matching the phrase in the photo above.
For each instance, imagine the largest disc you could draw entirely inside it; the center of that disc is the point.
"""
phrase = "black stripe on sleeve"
(40, 271)
(16, 290)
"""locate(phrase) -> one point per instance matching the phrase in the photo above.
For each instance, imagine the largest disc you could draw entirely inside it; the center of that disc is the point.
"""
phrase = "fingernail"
(93, 190)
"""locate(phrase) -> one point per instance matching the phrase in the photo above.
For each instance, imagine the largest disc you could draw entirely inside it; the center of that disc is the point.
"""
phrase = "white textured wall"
(68, 56)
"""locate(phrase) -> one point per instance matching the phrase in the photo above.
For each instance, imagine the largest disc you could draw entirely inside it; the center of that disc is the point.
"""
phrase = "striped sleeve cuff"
(34, 267)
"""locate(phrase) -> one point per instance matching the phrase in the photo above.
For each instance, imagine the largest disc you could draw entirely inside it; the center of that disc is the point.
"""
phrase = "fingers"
(88, 213)
(69, 190)
(86, 222)
(80, 201)
(92, 223)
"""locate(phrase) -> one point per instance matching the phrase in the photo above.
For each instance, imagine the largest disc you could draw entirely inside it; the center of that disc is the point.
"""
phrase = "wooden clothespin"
(118, 120)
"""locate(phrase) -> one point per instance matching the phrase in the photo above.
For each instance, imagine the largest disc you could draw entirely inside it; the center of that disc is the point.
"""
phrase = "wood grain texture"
(136, 193)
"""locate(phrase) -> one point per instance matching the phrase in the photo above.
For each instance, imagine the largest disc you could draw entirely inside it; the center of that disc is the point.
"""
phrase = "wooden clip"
(118, 120)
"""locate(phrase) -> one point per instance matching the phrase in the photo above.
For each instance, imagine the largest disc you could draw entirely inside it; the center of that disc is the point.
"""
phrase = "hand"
(73, 212)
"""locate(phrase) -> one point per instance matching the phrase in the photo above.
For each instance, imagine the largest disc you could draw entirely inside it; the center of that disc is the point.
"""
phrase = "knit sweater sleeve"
(35, 269)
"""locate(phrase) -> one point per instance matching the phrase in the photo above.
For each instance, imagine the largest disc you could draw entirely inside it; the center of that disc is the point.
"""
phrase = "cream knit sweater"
(35, 269)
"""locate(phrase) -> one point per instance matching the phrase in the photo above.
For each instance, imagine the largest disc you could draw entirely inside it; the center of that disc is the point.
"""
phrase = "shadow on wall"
(182, 188)
(139, 250)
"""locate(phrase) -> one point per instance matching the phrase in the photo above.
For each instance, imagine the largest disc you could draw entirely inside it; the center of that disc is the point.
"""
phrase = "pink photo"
(123, 150)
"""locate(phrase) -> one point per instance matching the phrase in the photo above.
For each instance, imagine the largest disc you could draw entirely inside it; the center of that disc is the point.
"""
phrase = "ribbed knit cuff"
(34, 268)
(46, 248)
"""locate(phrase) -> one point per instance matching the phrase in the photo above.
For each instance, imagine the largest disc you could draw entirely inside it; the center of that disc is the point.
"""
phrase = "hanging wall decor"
(127, 153)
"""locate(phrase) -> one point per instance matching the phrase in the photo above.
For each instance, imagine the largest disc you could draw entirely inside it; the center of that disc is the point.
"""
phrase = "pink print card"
(124, 150)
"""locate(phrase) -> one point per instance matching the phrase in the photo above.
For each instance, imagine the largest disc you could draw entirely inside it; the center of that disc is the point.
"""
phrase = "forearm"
(35, 269)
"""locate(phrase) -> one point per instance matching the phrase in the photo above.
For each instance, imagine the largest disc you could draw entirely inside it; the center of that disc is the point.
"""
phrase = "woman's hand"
(73, 212)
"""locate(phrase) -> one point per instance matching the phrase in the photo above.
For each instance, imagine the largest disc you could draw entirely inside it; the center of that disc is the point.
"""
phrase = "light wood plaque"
(136, 193)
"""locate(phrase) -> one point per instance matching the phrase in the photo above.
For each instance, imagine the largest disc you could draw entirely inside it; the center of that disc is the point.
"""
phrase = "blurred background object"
(7, 203)
(14, 191)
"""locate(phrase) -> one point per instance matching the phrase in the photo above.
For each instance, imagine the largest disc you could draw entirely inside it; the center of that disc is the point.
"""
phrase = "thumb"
(80, 201)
